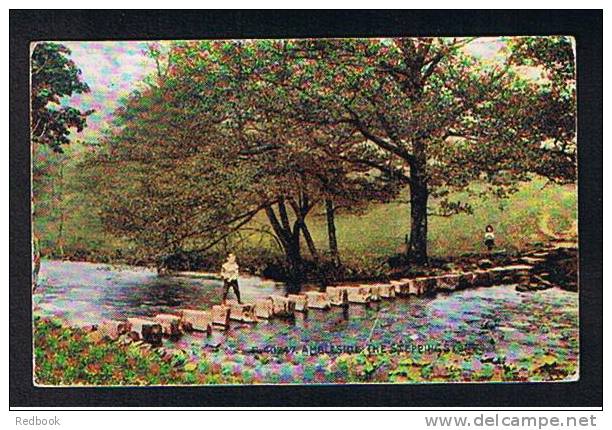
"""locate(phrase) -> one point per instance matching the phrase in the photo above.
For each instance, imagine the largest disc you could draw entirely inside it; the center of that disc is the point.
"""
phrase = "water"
(497, 319)
(87, 293)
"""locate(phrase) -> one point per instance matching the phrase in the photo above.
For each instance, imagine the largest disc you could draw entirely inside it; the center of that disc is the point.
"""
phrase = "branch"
(245, 217)
(264, 231)
(385, 169)
(382, 143)
(224, 236)
(431, 67)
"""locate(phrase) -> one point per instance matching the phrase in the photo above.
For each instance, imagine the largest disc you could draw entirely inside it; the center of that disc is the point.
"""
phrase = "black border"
(586, 26)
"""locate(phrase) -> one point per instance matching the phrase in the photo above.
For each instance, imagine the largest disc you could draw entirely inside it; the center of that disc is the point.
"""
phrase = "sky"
(113, 69)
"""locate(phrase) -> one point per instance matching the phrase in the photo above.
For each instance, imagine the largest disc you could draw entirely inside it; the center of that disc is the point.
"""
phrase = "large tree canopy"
(230, 128)
(200, 158)
(434, 115)
(555, 110)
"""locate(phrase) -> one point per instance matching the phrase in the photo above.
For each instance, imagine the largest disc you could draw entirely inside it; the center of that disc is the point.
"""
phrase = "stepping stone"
(282, 307)
(317, 300)
(221, 316)
(374, 292)
(243, 312)
(402, 287)
(149, 331)
(113, 329)
(514, 268)
(507, 274)
(540, 279)
(447, 282)
(171, 324)
(532, 260)
(485, 263)
(193, 319)
(387, 291)
(521, 288)
(420, 286)
(264, 308)
(482, 278)
(527, 285)
(338, 296)
(500, 277)
(300, 301)
(359, 295)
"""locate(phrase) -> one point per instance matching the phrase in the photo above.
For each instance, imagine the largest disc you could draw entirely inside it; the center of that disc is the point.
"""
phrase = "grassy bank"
(364, 239)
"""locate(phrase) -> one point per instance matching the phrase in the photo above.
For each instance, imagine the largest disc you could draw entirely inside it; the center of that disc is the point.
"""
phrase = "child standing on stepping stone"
(229, 273)
(489, 237)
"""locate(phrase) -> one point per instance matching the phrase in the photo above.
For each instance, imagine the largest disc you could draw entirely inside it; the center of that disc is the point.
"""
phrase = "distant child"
(229, 273)
(489, 237)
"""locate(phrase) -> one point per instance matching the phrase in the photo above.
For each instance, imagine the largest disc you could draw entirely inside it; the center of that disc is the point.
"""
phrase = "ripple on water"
(496, 319)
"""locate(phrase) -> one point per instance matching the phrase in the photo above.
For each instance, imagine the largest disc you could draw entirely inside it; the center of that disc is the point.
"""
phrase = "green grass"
(376, 232)
(380, 230)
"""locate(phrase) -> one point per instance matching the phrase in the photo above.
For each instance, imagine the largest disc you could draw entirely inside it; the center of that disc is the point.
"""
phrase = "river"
(496, 319)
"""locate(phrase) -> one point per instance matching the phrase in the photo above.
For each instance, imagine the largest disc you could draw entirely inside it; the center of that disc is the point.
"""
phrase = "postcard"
(304, 211)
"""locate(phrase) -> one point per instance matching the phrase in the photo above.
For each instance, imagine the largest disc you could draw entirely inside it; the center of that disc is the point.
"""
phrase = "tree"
(284, 126)
(54, 76)
(297, 160)
(161, 183)
(556, 107)
(431, 114)
(199, 130)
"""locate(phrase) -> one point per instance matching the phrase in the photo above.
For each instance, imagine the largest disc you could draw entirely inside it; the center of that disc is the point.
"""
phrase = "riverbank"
(557, 259)
(364, 237)
(493, 334)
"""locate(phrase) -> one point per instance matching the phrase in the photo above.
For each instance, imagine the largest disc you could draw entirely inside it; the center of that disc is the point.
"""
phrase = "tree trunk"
(418, 224)
(59, 199)
(419, 195)
(309, 242)
(60, 235)
(294, 256)
(331, 232)
(288, 237)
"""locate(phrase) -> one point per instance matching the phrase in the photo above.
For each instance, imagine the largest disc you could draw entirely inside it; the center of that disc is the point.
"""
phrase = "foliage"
(160, 185)
(556, 106)
(229, 130)
(192, 159)
(434, 116)
(66, 356)
(54, 77)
